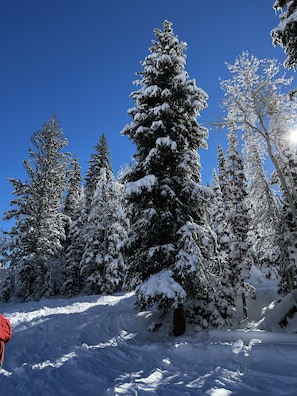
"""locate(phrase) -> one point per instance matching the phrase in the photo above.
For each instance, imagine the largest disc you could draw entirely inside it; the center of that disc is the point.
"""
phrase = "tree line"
(181, 246)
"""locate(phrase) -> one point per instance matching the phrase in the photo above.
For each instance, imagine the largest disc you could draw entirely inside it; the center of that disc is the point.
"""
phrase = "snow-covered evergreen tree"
(219, 223)
(219, 214)
(99, 159)
(74, 244)
(171, 248)
(285, 34)
(263, 210)
(102, 265)
(223, 179)
(74, 190)
(239, 255)
(36, 239)
(73, 282)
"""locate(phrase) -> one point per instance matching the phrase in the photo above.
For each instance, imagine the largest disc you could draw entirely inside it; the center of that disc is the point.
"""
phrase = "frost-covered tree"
(170, 250)
(219, 213)
(239, 255)
(36, 239)
(263, 209)
(73, 196)
(285, 34)
(74, 244)
(102, 265)
(223, 180)
(219, 223)
(255, 103)
(99, 159)
(74, 190)
(73, 282)
(287, 160)
(222, 205)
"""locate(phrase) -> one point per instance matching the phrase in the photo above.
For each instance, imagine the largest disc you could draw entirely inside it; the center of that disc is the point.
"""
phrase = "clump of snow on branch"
(161, 286)
(147, 182)
(166, 141)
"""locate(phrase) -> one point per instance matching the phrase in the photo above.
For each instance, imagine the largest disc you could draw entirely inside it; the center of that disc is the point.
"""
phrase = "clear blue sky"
(78, 58)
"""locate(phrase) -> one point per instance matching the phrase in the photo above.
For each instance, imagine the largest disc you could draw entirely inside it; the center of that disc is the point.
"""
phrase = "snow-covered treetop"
(285, 33)
(254, 91)
(168, 102)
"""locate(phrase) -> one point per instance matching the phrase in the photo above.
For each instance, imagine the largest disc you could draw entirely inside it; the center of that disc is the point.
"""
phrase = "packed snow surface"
(100, 345)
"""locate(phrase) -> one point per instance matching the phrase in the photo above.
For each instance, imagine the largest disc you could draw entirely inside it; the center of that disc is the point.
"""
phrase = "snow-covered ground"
(100, 345)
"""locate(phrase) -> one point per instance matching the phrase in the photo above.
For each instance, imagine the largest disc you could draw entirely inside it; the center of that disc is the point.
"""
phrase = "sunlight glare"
(293, 135)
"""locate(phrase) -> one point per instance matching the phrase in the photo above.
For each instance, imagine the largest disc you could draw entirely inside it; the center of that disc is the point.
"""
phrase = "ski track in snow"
(100, 345)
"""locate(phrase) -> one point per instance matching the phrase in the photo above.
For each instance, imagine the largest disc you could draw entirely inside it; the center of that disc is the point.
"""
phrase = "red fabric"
(5, 329)
(2, 347)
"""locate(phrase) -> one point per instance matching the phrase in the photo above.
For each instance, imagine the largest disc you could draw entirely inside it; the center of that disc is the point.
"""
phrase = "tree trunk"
(280, 174)
(244, 307)
(179, 321)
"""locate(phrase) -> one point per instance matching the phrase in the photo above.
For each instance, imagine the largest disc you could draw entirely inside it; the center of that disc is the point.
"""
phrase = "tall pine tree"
(99, 159)
(264, 233)
(170, 247)
(102, 263)
(75, 217)
(240, 254)
(219, 221)
(74, 190)
(39, 231)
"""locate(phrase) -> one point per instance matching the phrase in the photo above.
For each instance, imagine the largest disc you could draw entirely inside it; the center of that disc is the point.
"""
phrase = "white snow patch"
(100, 345)
(147, 182)
(166, 141)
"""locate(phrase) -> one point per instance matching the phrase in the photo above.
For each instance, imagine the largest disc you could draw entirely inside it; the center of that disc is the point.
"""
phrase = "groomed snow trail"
(99, 345)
